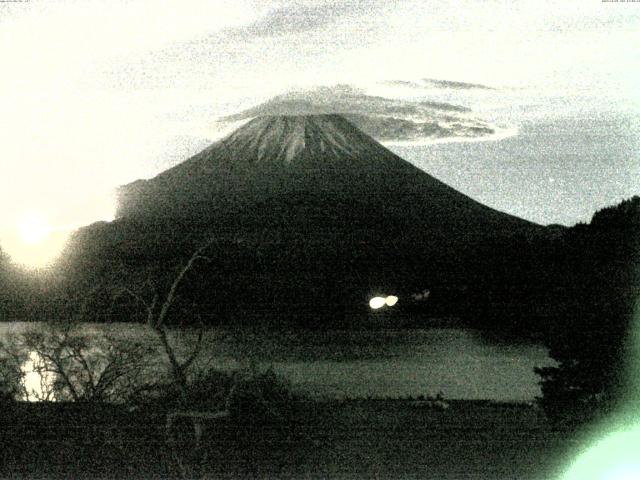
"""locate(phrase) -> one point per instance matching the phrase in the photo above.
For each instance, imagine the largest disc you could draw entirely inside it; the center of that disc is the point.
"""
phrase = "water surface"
(361, 363)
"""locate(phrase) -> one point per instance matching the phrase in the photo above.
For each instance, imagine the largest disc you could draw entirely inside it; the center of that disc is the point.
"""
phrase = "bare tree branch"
(166, 305)
(196, 349)
(124, 290)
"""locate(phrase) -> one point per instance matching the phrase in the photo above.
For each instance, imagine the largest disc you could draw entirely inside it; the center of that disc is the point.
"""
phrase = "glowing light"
(377, 302)
(33, 229)
(613, 458)
(33, 243)
(391, 300)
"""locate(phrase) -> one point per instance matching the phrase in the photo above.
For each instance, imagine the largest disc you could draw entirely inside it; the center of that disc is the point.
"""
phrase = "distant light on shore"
(391, 300)
(378, 302)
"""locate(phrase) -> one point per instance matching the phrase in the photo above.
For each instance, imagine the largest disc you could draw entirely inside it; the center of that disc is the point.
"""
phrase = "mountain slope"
(304, 160)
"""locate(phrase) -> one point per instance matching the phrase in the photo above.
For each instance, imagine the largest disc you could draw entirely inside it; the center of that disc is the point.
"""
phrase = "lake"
(377, 363)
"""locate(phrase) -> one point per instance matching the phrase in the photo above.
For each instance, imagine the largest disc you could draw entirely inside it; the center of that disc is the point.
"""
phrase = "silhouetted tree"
(157, 308)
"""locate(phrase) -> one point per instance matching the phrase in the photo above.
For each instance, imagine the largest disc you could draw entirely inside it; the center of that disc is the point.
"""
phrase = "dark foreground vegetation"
(594, 290)
(354, 439)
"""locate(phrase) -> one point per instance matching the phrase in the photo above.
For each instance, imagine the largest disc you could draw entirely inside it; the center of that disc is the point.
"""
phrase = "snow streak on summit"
(283, 138)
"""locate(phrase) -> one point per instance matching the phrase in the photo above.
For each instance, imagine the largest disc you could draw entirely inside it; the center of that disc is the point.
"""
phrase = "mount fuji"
(310, 217)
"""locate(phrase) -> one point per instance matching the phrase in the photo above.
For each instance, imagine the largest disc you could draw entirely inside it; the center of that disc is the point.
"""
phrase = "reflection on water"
(38, 382)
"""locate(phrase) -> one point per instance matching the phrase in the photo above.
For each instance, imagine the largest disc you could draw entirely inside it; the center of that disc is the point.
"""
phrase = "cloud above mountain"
(385, 119)
(428, 83)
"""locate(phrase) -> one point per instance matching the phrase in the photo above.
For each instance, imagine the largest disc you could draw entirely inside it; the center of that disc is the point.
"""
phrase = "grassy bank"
(355, 439)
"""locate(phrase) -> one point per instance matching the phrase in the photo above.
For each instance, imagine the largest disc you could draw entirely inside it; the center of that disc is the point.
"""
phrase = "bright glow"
(613, 458)
(35, 255)
(33, 242)
(391, 300)
(377, 302)
(74, 119)
(33, 229)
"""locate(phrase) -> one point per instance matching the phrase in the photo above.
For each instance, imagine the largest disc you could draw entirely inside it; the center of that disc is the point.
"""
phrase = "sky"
(95, 94)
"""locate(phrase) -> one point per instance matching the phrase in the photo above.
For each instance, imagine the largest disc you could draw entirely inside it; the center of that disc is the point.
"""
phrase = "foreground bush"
(206, 390)
(250, 396)
(260, 396)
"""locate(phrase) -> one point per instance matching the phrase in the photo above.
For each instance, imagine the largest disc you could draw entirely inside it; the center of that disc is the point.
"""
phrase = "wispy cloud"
(299, 18)
(435, 83)
(403, 83)
(455, 85)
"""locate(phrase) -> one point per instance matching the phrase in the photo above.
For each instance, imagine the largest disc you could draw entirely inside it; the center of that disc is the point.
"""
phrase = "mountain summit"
(284, 139)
